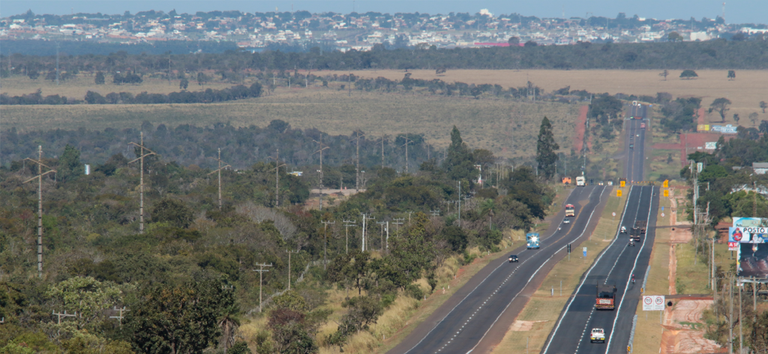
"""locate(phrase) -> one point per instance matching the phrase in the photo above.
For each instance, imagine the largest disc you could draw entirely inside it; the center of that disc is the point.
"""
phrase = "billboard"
(710, 145)
(725, 129)
(702, 127)
(750, 222)
(752, 260)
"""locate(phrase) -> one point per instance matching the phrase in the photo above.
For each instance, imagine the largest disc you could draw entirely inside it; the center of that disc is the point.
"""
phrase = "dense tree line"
(91, 97)
(187, 283)
(714, 54)
(240, 147)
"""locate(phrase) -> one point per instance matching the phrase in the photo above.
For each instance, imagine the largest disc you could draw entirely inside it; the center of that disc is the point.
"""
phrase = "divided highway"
(476, 317)
(614, 266)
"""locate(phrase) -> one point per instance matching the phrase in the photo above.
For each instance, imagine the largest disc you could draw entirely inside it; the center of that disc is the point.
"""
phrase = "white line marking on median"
(560, 321)
(624, 295)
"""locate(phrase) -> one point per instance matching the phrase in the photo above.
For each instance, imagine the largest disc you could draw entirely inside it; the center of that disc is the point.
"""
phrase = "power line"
(347, 225)
(325, 240)
(120, 316)
(358, 134)
(141, 183)
(261, 271)
(365, 218)
(39, 178)
(219, 171)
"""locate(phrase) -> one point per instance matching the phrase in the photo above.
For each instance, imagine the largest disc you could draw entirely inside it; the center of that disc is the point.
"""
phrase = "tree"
(546, 146)
(85, 296)
(736, 118)
(763, 126)
(731, 74)
(178, 319)
(530, 43)
(720, 105)
(69, 166)
(688, 74)
(173, 212)
(664, 74)
(763, 106)
(674, 37)
(99, 78)
(183, 84)
(513, 41)
(117, 79)
(753, 118)
(458, 163)
(34, 74)
(94, 98)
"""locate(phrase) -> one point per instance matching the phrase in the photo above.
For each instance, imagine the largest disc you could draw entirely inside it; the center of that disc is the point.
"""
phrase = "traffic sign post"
(618, 192)
(653, 303)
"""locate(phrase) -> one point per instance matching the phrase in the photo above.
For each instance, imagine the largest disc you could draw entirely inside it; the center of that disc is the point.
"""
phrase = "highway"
(478, 315)
(614, 266)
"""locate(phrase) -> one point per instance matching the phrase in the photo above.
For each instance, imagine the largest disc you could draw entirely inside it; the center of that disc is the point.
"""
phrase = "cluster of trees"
(717, 53)
(680, 115)
(722, 178)
(186, 282)
(240, 147)
(91, 97)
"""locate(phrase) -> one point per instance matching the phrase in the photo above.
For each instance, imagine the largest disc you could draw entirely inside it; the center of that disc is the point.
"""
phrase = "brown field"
(745, 92)
(82, 83)
(507, 128)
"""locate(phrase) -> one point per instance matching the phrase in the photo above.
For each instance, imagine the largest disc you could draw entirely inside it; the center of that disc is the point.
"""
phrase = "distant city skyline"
(736, 11)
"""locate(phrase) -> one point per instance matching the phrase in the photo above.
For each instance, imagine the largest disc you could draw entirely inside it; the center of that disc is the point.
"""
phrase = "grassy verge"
(543, 309)
(648, 329)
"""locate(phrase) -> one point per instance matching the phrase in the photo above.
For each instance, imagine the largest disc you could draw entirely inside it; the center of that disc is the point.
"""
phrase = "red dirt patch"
(679, 334)
(690, 143)
(578, 138)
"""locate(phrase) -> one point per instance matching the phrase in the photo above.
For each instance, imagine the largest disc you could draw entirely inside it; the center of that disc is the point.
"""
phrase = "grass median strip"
(535, 322)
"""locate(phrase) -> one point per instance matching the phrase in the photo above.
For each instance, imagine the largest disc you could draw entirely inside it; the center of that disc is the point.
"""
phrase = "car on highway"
(631, 146)
(623, 229)
(597, 335)
(513, 258)
(600, 183)
(566, 221)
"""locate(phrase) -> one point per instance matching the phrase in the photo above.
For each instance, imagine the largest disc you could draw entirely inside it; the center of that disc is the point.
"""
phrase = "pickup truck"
(597, 335)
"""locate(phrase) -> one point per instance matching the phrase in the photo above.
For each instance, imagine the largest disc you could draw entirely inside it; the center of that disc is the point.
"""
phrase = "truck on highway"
(532, 240)
(638, 231)
(581, 181)
(570, 210)
(606, 295)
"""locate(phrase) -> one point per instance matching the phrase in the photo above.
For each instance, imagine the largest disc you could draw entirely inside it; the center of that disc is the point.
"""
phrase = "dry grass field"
(505, 127)
(745, 92)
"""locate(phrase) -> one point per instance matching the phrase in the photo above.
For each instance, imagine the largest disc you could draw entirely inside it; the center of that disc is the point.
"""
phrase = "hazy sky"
(737, 11)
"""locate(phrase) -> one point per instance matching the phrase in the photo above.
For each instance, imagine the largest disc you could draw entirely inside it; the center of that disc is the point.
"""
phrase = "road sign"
(614, 213)
(666, 192)
(622, 184)
(665, 184)
(618, 192)
(662, 215)
(653, 303)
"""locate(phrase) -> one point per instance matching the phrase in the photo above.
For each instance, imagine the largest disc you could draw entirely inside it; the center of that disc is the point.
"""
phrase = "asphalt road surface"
(614, 266)
(476, 317)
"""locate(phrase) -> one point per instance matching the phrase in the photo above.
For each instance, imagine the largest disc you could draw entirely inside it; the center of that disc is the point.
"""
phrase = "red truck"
(606, 295)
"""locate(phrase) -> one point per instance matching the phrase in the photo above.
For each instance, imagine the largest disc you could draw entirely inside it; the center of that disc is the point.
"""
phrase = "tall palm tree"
(229, 323)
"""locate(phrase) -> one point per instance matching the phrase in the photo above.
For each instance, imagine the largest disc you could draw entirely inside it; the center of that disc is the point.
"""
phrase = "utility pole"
(459, 204)
(407, 141)
(60, 315)
(365, 218)
(741, 331)
(358, 134)
(261, 271)
(347, 224)
(435, 212)
(730, 315)
(39, 179)
(382, 151)
(320, 150)
(386, 241)
(277, 177)
(325, 242)
(141, 157)
(120, 316)
(397, 222)
(381, 238)
(219, 171)
(289, 267)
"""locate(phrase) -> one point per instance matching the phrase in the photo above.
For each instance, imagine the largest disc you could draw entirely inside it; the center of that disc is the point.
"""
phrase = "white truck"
(581, 181)
(597, 335)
